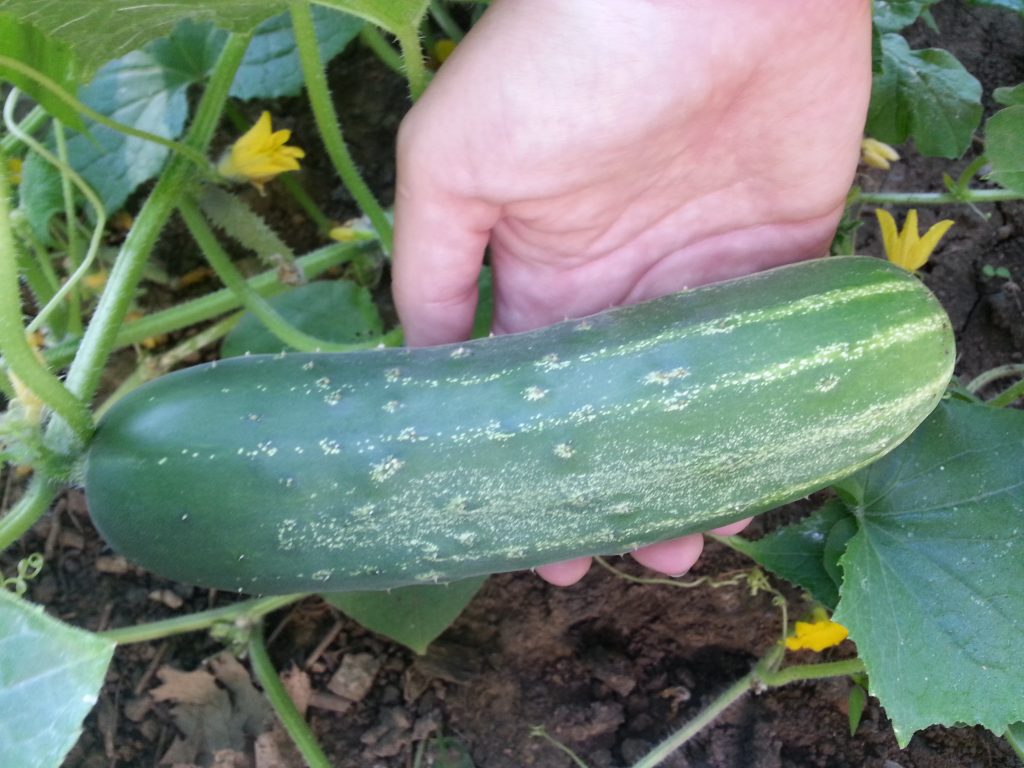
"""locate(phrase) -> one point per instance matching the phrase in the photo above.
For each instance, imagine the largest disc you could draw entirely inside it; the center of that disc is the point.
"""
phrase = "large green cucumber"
(277, 474)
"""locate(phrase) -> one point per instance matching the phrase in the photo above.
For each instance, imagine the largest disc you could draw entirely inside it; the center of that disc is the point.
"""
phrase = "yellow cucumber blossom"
(877, 154)
(260, 154)
(816, 635)
(14, 166)
(908, 249)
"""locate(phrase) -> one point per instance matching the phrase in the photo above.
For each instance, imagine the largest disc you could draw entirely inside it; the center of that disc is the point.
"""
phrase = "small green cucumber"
(321, 472)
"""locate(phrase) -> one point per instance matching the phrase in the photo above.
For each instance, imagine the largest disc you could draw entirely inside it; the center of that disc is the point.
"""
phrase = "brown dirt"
(606, 667)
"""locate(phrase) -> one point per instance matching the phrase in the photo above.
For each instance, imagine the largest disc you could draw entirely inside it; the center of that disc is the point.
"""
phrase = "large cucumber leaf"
(271, 68)
(393, 15)
(99, 31)
(932, 589)
(925, 94)
(413, 616)
(50, 58)
(145, 89)
(894, 15)
(50, 677)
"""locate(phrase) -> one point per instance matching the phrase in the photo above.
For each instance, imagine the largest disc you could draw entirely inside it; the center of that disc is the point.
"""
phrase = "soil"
(607, 667)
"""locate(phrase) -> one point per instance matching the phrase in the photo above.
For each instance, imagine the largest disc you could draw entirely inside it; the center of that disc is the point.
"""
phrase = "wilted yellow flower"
(908, 249)
(816, 635)
(877, 154)
(260, 154)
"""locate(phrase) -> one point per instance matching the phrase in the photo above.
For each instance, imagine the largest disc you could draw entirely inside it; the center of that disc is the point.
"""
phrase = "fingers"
(440, 236)
(565, 573)
(673, 557)
(733, 528)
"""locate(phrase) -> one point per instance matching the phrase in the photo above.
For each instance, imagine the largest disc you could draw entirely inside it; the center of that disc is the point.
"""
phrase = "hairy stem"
(30, 507)
(374, 40)
(412, 56)
(100, 337)
(282, 703)
(18, 354)
(327, 121)
(445, 21)
(211, 305)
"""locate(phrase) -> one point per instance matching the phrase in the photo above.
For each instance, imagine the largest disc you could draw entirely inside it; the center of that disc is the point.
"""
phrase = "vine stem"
(30, 507)
(327, 121)
(20, 357)
(211, 305)
(445, 21)
(1008, 396)
(252, 301)
(374, 40)
(282, 703)
(247, 610)
(966, 196)
(98, 342)
(412, 55)
(765, 673)
(994, 374)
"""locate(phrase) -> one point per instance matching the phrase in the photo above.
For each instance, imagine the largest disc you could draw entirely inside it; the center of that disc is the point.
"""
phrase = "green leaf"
(50, 677)
(413, 616)
(1009, 96)
(1004, 147)
(894, 15)
(855, 703)
(99, 31)
(332, 310)
(797, 552)
(271, 68)
(932, 590)
(925, 94)
(28, 46)
(393, 15)
(145, 89)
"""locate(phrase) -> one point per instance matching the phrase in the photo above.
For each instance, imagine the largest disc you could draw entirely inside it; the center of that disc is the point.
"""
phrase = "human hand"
(611, 151)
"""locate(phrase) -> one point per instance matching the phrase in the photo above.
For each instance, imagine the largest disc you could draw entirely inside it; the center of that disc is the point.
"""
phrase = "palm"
(624, 151)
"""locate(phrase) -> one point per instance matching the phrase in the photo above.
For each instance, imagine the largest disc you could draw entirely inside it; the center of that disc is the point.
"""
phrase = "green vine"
(252, 301)
(327, 121)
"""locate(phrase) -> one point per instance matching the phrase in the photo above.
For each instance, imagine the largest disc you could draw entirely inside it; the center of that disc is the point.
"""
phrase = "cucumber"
(376, 469)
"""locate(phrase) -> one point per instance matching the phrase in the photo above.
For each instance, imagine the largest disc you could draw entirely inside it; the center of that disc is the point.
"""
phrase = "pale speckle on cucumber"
(386, 469)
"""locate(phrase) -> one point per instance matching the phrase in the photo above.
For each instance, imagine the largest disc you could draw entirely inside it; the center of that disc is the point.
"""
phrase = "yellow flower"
(14, 166)
(260, 154)
(877, 154)
(908, 249)
(816, 635)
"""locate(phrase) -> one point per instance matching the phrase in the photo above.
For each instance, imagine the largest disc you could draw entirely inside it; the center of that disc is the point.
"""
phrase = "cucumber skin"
(370, 470)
